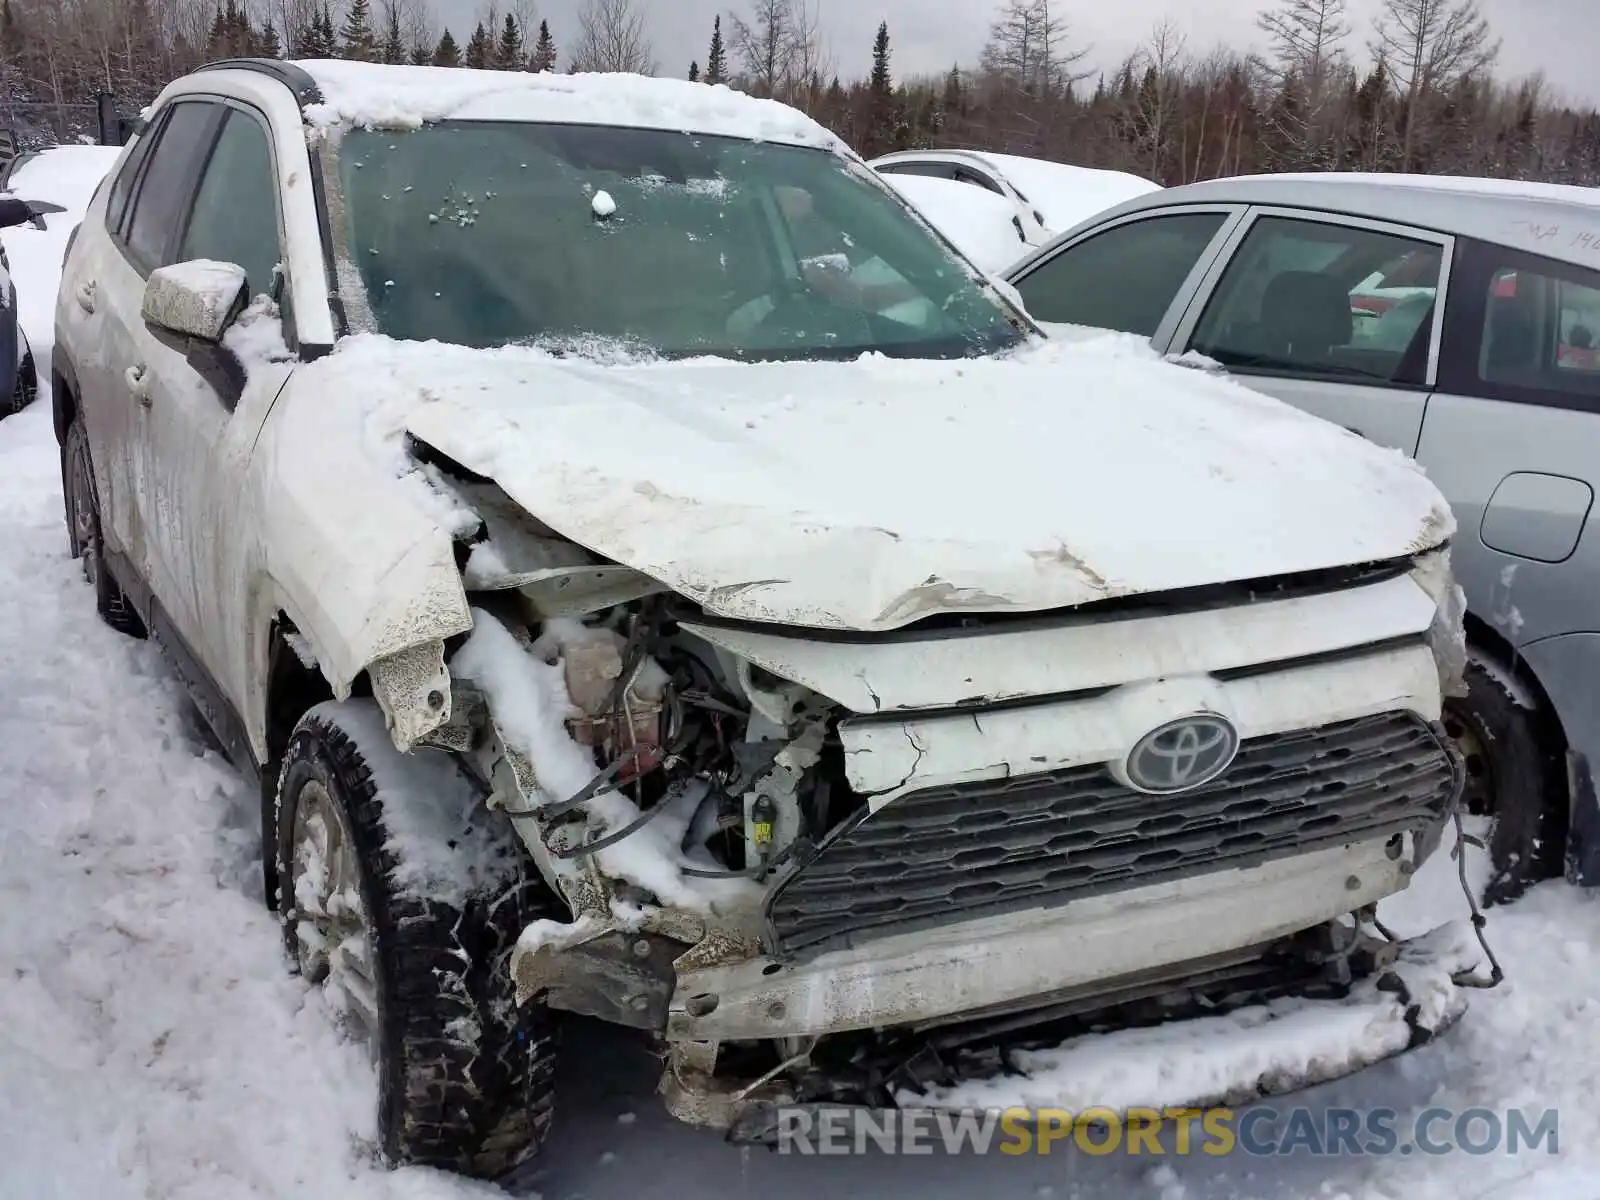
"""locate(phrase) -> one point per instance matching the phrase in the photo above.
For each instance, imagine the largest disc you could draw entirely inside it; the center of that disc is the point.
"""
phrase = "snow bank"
(396, 97)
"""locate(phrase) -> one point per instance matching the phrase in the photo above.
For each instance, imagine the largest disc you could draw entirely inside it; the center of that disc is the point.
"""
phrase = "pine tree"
(508, 54)
(216, 40)
(881, 84)
(479, 48)
(316, 39)
(717, 57)
(421, 56)
(355, 38)
(330, 39)
(886, 119)
(271, 47)
(447, 53)
(544, 50)
(694, 72)
(10, 33)
(393, 49)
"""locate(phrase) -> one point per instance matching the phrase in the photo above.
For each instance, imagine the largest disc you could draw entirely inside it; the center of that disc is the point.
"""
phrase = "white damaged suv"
(653, 576)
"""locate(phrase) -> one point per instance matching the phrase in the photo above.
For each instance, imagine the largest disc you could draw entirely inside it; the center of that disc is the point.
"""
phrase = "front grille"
(979, 849)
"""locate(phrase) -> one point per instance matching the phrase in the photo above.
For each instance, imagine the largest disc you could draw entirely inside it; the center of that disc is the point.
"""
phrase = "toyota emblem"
(1182, 754)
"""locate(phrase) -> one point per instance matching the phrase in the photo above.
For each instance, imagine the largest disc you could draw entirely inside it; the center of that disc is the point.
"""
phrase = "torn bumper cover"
(1244, 1055)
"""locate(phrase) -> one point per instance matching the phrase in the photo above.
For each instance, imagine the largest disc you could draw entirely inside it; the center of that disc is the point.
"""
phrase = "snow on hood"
(868, 494)
(402, 97)
(1068, 195)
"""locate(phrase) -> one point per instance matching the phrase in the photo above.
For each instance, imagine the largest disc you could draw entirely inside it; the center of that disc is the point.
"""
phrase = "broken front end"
(827, 867)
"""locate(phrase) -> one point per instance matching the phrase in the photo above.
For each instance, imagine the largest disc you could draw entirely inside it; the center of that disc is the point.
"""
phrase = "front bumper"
(910, 978)
(1262, 1050)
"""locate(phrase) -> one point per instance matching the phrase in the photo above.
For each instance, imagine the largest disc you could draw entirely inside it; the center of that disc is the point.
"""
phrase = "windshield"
(598, 240)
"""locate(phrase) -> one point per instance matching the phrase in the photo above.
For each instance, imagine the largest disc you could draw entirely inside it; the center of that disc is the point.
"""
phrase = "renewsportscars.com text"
(1260, 1131)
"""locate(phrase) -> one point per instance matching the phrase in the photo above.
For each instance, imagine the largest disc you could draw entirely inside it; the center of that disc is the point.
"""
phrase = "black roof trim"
(293, 76)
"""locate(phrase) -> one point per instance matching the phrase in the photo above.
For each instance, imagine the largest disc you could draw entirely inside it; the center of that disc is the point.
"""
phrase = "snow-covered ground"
(152, 1044)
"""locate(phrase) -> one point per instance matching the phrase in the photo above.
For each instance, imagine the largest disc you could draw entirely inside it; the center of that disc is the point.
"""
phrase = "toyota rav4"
(653, 576)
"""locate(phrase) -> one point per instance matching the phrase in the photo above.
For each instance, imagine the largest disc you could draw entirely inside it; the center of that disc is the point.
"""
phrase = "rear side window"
(168, 182)
(1525, 328)
(1312, 298)
(1125, 278)
(122, 185)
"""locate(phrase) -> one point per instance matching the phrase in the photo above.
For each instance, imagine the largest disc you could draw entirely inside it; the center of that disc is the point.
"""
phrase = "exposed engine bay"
(858, 882)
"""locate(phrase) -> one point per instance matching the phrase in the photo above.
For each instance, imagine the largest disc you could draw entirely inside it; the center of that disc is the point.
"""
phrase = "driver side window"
(235, 214)
(1123, 279)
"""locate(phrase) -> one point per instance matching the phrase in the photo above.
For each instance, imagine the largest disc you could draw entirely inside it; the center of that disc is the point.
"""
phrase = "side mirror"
(198, 299)
(14, 212)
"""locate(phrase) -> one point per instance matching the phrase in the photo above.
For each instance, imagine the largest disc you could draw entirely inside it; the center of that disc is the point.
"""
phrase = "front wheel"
(1515, 776)
(403, 897)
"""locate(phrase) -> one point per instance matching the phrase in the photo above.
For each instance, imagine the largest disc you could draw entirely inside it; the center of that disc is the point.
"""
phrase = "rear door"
(1513, 440)
(1285, 309)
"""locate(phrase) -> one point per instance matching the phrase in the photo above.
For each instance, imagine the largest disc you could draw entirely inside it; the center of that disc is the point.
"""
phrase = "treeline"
(1417, 91)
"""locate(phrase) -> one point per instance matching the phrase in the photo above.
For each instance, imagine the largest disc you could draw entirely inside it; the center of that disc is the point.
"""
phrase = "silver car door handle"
(84, 295)
(138, 380)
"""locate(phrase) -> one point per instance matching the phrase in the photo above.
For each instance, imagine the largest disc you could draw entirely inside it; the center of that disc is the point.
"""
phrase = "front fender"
(1568, 668)
(352, 549)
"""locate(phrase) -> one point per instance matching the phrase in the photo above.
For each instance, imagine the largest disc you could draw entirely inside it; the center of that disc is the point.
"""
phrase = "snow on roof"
(385, 96)
(976, 220)
(1066, 194)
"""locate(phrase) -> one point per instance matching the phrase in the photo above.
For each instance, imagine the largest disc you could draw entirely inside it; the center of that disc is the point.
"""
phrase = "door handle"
(84, 295)
(138, 380)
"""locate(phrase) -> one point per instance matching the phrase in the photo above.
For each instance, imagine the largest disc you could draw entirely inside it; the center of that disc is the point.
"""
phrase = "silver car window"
(1298, 298)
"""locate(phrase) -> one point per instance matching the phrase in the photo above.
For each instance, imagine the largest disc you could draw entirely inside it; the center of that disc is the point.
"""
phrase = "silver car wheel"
(332, 930)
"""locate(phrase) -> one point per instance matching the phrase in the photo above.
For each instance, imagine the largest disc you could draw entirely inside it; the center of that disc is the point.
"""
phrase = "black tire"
(25, 390)
(83, 528)
(465, 1076)
(1515, 775)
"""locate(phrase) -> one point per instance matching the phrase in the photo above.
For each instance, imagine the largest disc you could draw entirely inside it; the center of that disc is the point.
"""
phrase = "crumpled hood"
(867, 494)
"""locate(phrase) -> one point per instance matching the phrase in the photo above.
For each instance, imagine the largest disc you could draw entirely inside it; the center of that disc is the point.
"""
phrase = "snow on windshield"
(493, 233)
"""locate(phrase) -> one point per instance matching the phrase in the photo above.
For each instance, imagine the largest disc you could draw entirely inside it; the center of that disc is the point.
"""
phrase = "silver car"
(1325, 291)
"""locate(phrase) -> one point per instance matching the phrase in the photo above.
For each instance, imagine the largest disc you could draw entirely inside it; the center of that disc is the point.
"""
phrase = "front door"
(1292, 311)
(198, 426)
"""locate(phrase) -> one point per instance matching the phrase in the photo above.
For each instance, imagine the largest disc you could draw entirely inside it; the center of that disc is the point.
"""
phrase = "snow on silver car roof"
(1558, 221)
(399, 97)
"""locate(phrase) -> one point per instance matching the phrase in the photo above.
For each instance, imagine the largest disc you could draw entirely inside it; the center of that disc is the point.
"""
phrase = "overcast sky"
(1559, 37)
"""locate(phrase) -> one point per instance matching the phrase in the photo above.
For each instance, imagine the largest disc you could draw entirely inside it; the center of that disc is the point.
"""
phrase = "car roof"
(379, 95)
(1554, 220)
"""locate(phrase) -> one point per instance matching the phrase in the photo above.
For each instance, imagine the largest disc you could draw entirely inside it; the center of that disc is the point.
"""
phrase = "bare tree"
(1157, 116)
(1305, 65)
(1027, 49)
(612, 37)
(1307, 39)
(780, 46)
(1430, 46)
